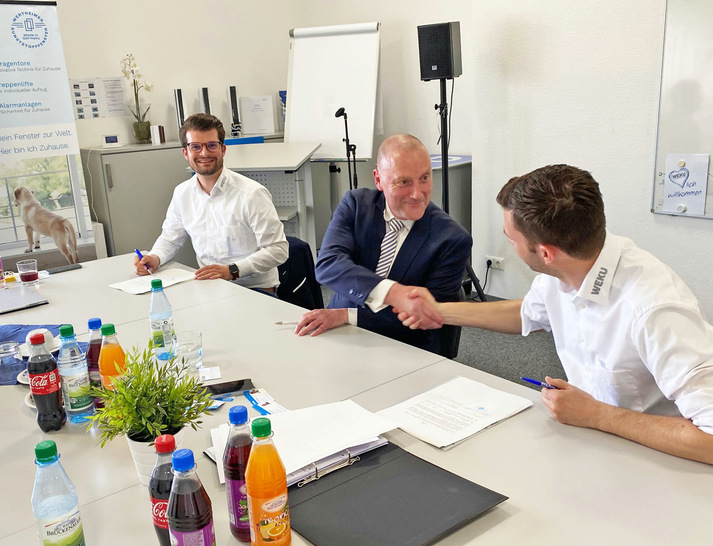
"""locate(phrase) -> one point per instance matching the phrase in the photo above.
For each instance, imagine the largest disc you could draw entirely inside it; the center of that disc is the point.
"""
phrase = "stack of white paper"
(141, 285)
(454, 411)
(305, 436)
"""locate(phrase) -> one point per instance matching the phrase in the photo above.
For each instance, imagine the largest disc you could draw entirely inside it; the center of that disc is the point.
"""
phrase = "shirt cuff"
(353, 316)
(375, 299)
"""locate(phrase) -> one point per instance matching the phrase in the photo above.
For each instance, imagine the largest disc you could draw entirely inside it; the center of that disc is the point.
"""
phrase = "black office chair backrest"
(450, 335)
(298, 284)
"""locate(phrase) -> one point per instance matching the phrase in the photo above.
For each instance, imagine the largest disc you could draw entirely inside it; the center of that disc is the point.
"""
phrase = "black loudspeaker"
(439, 51)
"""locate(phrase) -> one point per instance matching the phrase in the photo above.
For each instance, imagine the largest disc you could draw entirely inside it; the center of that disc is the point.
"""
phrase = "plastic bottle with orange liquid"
(266, 485)
(111, 357)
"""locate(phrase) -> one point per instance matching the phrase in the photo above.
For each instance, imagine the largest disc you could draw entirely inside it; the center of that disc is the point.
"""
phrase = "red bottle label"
(44, 383)
(158, 509)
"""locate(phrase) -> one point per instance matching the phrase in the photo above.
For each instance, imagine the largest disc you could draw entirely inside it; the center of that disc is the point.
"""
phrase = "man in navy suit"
(370, 273)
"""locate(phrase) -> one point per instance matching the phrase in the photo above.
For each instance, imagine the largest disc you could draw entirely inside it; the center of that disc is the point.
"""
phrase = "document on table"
(141, 285)
(305, 436)
(454, 411)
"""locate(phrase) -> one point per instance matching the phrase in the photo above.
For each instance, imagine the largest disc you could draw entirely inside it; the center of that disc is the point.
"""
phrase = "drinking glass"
(188, 346)
(27, 269)
(10, 363)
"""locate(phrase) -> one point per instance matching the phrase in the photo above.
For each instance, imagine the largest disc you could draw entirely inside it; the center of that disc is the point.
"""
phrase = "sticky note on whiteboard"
(686, 183)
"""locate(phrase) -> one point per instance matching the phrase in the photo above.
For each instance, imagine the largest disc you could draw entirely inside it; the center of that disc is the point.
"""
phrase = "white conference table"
(240, 336)
(567, 485)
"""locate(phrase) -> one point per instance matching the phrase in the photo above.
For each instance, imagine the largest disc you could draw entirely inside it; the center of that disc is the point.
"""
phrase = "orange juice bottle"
(266, 485)
(111, 356)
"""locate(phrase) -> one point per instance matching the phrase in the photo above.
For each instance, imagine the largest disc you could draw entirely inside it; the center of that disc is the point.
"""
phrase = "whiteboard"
(686, 104)
(330, 68)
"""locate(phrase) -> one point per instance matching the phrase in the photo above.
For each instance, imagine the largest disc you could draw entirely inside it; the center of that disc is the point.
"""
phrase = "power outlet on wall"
(496, 263)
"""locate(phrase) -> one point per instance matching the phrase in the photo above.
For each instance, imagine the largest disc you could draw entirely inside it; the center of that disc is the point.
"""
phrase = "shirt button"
(581, 340)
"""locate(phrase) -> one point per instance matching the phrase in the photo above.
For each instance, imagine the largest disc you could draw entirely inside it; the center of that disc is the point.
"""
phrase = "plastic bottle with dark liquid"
(190, 513)
(235, 461)
(93, 349)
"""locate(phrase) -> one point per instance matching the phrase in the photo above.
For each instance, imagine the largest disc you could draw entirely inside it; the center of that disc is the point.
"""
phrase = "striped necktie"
(388, 246)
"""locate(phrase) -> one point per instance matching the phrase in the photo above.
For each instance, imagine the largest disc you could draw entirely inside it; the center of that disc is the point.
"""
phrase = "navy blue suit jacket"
(433, 255)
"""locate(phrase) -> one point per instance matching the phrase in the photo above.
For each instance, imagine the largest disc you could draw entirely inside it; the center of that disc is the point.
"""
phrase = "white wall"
(542, 82)
(578, 85)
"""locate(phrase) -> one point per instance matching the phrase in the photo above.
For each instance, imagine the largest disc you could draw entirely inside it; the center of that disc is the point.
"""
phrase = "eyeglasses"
(197, 147)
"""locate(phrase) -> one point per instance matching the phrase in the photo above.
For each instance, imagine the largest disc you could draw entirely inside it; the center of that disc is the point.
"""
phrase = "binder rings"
(389, 496)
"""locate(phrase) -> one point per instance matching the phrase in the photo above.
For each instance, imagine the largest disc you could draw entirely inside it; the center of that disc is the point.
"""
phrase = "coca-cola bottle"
(160, 486)
(45, 385)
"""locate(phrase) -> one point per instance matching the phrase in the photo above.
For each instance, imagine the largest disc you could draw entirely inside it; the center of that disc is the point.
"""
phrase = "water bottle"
(72, 366)
(160, 486)
(161, 317)
(54, 500)
(94, 347)
(45, 385)
(266, 485)
(235, 460)
(190, 514)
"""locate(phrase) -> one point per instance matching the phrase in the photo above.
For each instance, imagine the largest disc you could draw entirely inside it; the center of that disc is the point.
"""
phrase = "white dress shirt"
(375, 299)
(236, 223)
(633, 335)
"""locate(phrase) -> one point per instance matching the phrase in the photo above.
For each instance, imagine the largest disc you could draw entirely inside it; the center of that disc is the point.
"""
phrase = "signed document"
(454, 411)
(141, 285)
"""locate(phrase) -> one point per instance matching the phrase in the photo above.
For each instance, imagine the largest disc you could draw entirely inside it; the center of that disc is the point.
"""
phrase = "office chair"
(450, 335)
(298, 284)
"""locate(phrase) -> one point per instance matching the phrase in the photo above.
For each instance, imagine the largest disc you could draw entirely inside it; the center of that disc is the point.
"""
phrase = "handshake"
(416, 307)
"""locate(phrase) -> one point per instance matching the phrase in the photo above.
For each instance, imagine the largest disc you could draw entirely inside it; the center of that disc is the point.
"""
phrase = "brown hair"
(557, 205)
(201, 122)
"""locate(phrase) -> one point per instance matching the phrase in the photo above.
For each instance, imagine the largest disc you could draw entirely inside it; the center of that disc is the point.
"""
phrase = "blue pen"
(138, 253)
(538, 383)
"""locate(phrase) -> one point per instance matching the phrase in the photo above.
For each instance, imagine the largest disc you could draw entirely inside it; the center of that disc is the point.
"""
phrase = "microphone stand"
(350, 148)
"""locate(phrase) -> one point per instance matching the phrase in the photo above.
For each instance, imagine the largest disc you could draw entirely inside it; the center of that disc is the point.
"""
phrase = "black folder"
(389, 496)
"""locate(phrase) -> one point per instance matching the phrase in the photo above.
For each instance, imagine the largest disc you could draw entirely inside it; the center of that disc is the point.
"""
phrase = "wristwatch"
(234, 271)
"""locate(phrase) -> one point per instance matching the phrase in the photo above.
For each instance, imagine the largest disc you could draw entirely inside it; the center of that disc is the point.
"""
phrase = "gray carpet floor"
(505, 355)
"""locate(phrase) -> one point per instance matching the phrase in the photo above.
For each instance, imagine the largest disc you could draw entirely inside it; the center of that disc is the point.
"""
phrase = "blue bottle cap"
(237, 415)
(94, 323)
(183, 460)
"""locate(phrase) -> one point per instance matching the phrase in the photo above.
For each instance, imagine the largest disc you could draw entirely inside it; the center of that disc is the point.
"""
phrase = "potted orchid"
(139, 110)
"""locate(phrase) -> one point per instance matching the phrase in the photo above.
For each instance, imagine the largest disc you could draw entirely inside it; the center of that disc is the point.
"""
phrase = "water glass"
(188, 346)
(27, 269)
(10, 363)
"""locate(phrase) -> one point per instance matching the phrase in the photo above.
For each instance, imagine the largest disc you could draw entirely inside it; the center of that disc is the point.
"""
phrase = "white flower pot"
(144, 455)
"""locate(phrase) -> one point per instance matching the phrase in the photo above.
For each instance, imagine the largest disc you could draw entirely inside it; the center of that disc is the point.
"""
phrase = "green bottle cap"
(45, 451)
(108, 329)
(66, 330)
(261, 427)
(156, 283)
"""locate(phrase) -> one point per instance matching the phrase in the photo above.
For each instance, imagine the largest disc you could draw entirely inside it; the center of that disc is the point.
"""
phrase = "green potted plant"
(150, 398)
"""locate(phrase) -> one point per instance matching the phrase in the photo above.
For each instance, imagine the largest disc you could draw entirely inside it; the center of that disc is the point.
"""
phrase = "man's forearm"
(499, 316)
(673, 435)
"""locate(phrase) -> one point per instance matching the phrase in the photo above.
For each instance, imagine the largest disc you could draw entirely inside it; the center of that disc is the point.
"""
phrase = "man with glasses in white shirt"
(231, 220)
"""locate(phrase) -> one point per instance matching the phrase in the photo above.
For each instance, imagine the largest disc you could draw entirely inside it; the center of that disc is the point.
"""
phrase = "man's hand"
(214, 271)
(416, 307)
(321, 320)
(570, 405)
(150, 260)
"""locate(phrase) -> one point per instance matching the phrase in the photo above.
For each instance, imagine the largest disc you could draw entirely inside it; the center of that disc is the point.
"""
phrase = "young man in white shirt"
(633, 341)
(231, 220)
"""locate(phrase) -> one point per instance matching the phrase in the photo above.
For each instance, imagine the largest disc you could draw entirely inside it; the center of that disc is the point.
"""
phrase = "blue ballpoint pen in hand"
(138, 253)
(539, 383)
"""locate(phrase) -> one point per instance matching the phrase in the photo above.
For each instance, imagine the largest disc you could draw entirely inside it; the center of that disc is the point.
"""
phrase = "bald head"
(395, 145)
(403, 173)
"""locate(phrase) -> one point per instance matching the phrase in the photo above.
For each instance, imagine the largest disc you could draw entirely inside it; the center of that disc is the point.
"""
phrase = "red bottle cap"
(165, 443)
(37, 339)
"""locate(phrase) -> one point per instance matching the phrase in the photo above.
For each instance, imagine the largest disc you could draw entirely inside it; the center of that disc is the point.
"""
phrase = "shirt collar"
(220, 184)
(388, 215)
(597, 284)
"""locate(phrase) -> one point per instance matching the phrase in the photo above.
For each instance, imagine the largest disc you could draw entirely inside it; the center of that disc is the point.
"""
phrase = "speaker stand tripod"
(443, 113)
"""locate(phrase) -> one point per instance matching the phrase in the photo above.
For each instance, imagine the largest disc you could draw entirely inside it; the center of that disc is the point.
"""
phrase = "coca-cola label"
(44, 383)
(158, 509)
